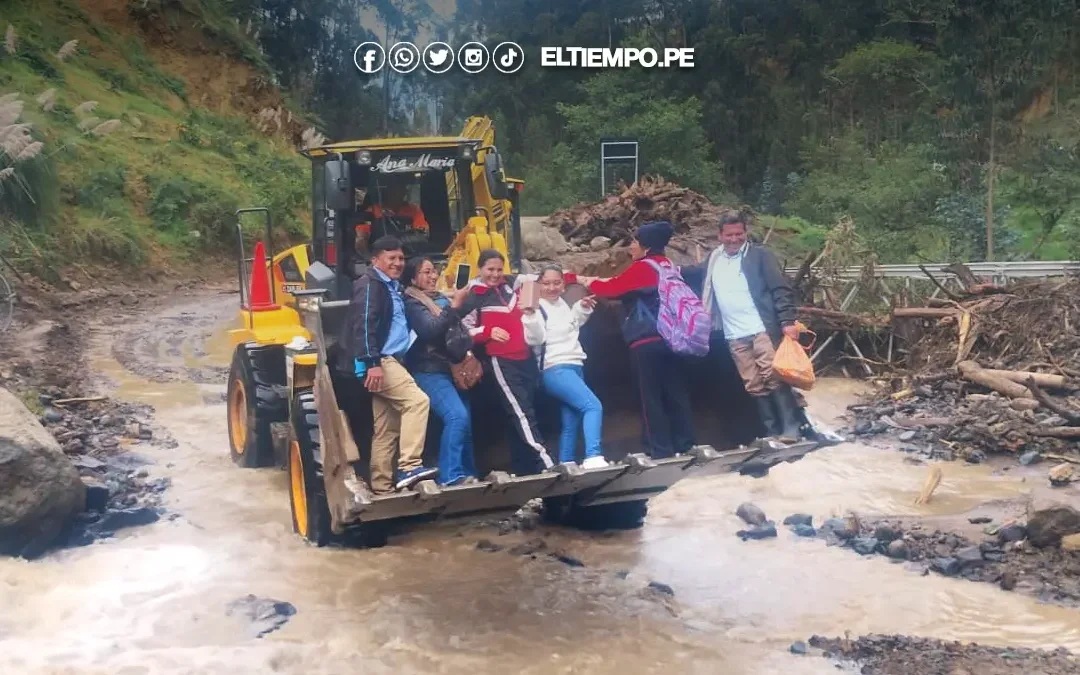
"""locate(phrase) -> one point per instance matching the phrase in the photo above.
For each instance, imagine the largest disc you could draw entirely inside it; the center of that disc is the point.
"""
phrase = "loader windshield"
(415, 199)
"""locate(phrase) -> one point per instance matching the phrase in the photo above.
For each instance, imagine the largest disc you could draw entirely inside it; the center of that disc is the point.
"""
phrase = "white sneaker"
(594, 463)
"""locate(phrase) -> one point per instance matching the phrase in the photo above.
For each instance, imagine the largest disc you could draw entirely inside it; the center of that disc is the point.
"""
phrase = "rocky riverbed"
(902, 655)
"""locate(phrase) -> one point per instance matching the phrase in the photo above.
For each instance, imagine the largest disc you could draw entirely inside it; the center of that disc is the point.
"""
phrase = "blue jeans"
(580, 408)
(452, 407)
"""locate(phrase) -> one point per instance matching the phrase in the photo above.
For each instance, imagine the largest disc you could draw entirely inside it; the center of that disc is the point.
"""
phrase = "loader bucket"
(724, 415)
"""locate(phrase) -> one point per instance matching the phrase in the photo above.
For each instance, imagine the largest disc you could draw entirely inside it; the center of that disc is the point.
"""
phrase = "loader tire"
(618, 516)
(307, 489)
(254, 404)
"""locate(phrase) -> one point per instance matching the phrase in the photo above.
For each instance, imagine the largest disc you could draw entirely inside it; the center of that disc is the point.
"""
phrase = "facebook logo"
(369, 57)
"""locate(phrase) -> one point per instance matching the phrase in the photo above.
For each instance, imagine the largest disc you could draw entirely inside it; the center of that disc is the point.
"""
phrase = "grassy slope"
(159, 191)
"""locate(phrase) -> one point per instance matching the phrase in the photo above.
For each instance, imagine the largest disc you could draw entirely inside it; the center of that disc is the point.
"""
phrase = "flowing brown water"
(154, 599)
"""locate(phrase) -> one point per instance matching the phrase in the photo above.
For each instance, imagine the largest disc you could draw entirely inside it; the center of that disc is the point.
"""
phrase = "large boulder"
(1049, 521)
(539, 242)
(40, 489)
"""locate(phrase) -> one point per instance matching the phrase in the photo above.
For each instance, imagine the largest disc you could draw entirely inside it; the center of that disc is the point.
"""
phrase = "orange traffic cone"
(259, 293)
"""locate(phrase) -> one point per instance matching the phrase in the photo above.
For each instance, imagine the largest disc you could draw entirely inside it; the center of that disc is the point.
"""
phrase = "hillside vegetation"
(132, 156)
(934, 130)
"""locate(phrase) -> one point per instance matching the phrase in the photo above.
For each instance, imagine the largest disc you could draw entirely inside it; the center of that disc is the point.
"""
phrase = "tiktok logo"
(508, 57)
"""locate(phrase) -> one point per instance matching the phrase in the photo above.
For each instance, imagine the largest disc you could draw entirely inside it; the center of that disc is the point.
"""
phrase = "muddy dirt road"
(160, 599)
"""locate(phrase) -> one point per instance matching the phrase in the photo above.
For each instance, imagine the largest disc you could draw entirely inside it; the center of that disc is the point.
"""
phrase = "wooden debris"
(973, 372)
(1071, 416)
(1041, 379)
(84, 399)
(924, 312)
(650, 198)
(931, 484)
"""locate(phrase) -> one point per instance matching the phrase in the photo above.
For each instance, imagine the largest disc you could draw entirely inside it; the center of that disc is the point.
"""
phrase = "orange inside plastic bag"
(792, 364)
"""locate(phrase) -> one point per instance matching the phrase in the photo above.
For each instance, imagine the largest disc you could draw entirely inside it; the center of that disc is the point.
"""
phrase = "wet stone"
(886, 534)
(971, 556)
(751, 514)
(87, 462)
(798, 648)
(1032, 457)
(907, 436)
(975, 457)
(117, 520)
(1047, 526)
(1007, 581)
(863, 427)
(864, 545)
(980, 520)
(52, 416)
(487, 546)
(568, 560)
(799, 519)
(264, 614)
(842, 528)
(897, 550)
(97, 494)
(662, 588)
(802, 530)
(948, 566)
(764, 531)
(1012, 532)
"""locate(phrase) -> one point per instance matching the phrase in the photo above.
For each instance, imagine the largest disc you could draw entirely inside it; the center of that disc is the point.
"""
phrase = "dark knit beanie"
(654, 236)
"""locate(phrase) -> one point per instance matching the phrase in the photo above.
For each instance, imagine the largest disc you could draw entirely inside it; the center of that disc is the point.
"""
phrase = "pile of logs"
(994, 369)
(618, 215)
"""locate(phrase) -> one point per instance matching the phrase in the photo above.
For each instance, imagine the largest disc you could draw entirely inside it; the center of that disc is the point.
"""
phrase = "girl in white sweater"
(552, 332)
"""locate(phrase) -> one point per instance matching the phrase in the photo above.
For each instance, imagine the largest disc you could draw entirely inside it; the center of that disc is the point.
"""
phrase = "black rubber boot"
(768, 416)
(787, 414)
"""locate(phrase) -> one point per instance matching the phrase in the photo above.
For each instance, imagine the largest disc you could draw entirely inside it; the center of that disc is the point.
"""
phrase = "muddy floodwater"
(154, 600)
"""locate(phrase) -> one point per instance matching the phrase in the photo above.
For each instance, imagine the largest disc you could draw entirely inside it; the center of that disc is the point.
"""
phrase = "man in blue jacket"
(377, 337)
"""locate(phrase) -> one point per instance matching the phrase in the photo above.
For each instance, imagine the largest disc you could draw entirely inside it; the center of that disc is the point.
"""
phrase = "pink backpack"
(682, 320)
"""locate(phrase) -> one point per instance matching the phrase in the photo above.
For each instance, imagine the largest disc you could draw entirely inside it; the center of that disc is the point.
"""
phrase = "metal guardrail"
(992, 270)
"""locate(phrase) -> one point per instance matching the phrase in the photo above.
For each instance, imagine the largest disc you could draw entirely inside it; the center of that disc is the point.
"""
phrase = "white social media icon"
(438, 57)
(473, 57)
(404, 57)
(369, 57)
(508, 57)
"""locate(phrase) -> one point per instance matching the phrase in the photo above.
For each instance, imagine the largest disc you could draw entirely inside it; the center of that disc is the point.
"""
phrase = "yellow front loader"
(291, 404)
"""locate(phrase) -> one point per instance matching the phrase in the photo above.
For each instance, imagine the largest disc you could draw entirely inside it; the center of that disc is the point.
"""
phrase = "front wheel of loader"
(307, 492)
(307, 489)
(618, 516)
(253, 406)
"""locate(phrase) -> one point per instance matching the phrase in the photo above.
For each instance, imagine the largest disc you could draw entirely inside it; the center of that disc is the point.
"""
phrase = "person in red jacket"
(493, 316)
(667, 421)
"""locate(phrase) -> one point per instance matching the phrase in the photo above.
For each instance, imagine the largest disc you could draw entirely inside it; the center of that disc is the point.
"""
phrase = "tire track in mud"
(175, 345)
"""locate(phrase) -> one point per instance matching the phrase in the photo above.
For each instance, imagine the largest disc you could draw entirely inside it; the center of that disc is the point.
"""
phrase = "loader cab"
(444, 198)
(422, 196)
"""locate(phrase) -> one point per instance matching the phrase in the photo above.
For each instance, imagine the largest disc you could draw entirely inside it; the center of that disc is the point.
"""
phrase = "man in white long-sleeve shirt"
(752, 304)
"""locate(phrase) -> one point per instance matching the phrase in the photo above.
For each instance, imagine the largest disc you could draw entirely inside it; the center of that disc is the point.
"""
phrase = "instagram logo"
(473, 57)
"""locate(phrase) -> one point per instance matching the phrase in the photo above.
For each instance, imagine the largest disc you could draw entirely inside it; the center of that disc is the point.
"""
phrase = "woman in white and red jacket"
(493, 316)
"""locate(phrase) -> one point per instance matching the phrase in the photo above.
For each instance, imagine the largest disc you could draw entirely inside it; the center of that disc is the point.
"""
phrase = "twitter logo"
(438, 57)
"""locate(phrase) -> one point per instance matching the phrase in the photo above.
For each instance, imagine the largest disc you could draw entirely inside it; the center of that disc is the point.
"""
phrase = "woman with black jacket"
(431, 314)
